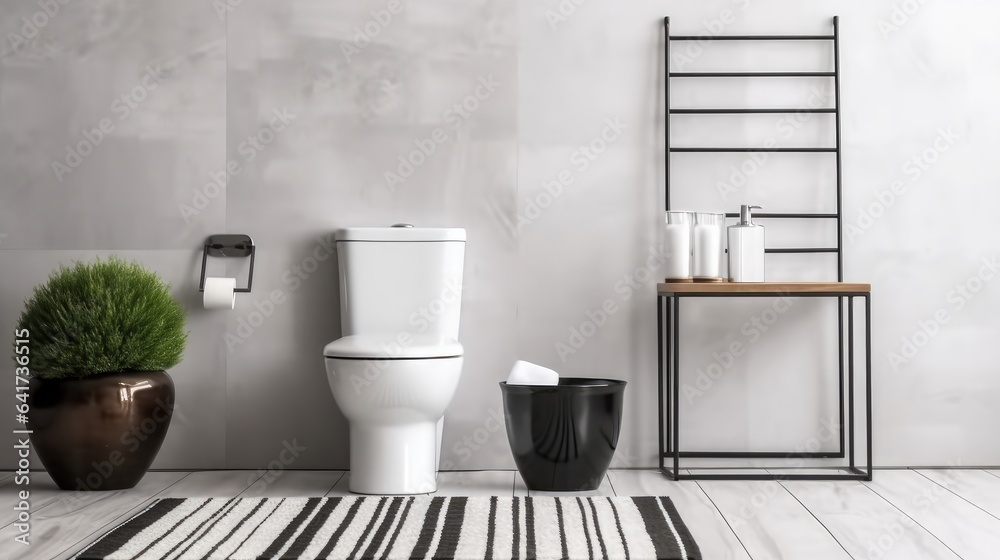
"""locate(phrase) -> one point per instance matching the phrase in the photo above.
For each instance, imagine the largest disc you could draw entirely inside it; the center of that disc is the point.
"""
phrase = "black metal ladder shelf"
(670, 294)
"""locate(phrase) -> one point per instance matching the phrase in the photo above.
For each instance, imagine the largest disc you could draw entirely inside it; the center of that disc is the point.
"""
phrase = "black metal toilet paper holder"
(228, 245)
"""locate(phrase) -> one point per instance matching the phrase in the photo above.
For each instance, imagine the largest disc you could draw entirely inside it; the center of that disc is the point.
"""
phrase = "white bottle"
(746, 248)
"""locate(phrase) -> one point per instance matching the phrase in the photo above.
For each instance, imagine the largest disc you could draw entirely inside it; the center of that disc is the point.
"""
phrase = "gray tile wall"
(285, 121)
(280, 120)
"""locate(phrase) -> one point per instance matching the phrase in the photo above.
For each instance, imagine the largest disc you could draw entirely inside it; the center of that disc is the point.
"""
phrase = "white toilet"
(397, 366)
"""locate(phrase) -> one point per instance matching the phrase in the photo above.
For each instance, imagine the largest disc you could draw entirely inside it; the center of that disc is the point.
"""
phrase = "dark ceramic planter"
(563, 437)
(100, 432)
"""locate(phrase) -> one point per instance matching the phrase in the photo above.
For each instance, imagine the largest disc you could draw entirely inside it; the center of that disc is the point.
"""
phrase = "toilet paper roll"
(527, 373)
(220, 293)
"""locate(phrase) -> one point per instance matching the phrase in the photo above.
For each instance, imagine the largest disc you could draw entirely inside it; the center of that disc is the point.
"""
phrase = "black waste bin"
(564, 436)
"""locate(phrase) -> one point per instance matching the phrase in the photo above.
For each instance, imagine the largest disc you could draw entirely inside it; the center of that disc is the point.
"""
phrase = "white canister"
(677, 247)
(708, 234)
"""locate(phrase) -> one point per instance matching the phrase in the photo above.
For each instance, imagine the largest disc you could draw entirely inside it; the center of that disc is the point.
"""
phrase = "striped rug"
(401, 527)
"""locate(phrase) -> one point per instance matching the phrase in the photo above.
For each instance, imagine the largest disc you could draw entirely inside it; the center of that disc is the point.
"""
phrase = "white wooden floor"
(901, 515)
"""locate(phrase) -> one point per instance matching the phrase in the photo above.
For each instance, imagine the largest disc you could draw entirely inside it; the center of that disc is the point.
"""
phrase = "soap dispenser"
(746, 248)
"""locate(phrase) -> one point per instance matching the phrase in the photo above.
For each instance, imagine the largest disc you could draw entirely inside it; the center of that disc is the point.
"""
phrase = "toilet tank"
(401, 281)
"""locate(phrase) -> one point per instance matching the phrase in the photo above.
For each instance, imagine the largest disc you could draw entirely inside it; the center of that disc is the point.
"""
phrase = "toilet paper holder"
(228, 245)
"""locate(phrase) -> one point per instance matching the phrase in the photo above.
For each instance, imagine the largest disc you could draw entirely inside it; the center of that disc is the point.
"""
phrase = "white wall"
(908, 80)
(560, 85)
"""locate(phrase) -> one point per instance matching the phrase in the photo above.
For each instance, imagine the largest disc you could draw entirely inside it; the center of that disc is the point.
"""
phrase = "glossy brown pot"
(100, 432)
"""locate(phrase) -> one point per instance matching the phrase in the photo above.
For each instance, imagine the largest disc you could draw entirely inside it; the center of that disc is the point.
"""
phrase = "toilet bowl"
(395, 405)
(397, 367)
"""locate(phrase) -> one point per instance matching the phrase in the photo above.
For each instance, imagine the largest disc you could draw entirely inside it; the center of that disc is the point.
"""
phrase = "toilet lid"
(389, 347)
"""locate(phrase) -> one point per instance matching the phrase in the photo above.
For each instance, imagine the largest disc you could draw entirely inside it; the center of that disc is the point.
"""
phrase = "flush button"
(402, 225)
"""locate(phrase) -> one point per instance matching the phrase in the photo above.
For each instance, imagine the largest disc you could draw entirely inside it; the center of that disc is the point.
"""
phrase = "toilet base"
(394, 459)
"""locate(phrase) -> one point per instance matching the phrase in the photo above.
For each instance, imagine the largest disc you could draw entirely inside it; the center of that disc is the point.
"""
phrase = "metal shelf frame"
(752, 38)
(668, 305)
(751, 149)
(669, 390)
(752, 74)
(735, 111)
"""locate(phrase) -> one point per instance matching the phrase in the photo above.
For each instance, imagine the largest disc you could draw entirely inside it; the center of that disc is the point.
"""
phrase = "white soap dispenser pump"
(746, 248)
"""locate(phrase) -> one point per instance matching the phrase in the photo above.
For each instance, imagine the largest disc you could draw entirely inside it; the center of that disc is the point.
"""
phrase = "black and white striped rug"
(401, 527)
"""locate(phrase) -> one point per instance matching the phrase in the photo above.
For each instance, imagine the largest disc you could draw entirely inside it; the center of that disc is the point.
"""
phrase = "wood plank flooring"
(917, 514)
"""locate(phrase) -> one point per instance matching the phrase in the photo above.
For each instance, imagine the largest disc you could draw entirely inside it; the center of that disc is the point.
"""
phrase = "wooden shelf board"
(761, 287)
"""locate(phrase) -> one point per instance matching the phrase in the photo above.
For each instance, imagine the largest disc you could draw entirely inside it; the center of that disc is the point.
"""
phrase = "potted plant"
(100, 336)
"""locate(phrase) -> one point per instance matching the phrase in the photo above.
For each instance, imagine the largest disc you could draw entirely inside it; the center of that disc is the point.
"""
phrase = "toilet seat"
(393, 347)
